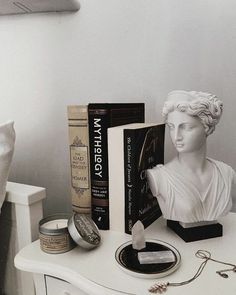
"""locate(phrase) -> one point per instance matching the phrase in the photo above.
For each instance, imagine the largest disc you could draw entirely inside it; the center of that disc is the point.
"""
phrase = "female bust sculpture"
(192, 187)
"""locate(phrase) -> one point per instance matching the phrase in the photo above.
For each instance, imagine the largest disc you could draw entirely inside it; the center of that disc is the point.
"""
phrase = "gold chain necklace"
(206, 256)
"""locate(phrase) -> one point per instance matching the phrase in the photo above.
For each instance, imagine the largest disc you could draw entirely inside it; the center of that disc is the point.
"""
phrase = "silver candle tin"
(55, 240)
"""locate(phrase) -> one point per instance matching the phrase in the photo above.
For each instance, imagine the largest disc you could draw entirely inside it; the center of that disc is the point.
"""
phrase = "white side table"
(96, 272)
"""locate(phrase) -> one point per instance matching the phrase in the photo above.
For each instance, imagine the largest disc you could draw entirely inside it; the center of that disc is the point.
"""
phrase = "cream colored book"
(79, 158)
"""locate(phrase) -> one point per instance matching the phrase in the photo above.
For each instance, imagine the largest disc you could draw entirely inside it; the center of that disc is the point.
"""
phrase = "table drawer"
(55, 286)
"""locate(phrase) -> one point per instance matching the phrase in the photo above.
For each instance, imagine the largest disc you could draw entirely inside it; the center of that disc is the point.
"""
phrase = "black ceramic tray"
(127, 259)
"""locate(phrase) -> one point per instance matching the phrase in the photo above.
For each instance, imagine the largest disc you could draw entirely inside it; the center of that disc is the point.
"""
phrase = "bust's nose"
(178, 134)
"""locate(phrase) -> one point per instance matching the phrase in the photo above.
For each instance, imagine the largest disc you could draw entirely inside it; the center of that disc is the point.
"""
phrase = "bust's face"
(187, 132)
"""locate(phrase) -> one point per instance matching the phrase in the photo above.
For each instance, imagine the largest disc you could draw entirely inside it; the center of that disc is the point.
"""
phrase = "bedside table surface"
(96, 272)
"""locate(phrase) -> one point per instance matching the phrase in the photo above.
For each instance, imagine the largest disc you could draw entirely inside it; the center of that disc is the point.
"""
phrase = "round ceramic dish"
(127, 259)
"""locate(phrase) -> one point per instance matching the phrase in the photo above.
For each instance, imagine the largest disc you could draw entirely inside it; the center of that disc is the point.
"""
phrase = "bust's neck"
(194, 161)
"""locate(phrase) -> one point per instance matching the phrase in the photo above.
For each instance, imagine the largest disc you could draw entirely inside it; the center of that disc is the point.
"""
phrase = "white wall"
(111, 50)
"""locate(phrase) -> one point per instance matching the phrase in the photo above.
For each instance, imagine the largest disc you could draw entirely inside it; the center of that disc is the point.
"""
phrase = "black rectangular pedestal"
(192, 234)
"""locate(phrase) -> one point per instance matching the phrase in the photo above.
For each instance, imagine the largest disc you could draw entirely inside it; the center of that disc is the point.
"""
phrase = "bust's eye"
(171, 127)
(187, 126)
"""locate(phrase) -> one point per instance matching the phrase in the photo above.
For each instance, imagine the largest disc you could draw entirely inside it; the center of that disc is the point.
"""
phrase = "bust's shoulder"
(158, 167)
(222, 166)
(161, 173)
(219, 163)
(155, 172)
(170, 166)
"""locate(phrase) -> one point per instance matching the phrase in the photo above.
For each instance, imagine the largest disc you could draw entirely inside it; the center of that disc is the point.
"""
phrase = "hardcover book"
(79, 158)
(101, 117)
(132, 149)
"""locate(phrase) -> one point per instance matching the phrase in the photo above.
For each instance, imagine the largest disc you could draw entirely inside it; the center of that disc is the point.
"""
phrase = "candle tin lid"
(84, 231)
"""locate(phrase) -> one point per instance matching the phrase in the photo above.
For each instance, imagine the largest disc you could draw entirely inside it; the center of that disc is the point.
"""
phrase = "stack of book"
(88, 127)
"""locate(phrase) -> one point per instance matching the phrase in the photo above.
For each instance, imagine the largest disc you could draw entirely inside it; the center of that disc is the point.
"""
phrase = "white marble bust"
(192, 187)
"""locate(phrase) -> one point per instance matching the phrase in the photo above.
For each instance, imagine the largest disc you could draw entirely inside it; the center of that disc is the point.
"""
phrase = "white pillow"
(7, 141)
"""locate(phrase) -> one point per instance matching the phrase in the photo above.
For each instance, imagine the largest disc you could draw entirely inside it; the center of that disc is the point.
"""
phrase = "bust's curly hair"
(207, 107)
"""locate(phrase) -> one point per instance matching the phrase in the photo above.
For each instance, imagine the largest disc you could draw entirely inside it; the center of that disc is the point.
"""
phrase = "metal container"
(54, 235)
(84, 231)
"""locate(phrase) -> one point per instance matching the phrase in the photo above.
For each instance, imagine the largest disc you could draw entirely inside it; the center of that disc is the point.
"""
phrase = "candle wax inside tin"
(55, 224)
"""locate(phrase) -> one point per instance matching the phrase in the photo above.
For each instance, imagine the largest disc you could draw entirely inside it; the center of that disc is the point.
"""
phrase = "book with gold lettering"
(79, 158)
(101, 117)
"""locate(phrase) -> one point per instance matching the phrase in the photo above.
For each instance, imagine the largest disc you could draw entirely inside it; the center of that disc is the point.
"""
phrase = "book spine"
(79, 158)
(116, 179)
(130, 180)
(98, 124)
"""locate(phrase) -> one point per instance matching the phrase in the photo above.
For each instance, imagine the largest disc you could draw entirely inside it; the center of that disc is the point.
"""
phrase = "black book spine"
(101, 117)
(98, 124)
(130, 175)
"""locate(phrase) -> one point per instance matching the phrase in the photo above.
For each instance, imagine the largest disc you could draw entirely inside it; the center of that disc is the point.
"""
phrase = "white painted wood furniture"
(18, 227)
(81, 272)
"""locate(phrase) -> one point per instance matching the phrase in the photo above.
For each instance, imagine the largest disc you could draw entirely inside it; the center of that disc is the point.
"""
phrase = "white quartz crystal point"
(138, 237)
